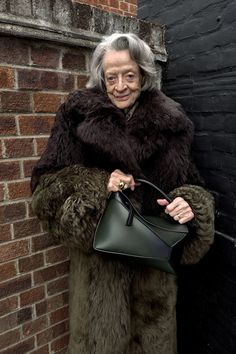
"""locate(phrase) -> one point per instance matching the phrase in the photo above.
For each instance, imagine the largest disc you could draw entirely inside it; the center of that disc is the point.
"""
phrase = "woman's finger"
(162, 202)
(119, 181)
(186, 217)
(178, 202)
(179, 210)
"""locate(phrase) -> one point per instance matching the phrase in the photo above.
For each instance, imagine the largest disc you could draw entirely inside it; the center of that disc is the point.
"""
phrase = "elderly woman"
(118, 128)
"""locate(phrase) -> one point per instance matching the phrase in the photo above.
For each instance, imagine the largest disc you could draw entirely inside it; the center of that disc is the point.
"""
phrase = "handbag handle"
(131, 207)
(163, 194)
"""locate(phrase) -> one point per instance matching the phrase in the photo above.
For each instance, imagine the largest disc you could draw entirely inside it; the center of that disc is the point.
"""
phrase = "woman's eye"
(110, 79)
(130, 77)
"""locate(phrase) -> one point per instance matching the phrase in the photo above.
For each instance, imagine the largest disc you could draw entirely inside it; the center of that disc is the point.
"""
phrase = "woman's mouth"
(122, 98)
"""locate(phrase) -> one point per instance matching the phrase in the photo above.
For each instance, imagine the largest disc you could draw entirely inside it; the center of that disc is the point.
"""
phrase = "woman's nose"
(120, 85)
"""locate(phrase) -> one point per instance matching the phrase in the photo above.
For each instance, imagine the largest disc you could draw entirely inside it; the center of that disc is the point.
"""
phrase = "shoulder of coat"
(163, 110)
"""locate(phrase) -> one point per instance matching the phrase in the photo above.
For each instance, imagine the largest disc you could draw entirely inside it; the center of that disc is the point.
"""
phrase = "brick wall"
(45, 48)
(200, 40)
(121, 7)
(34, 80)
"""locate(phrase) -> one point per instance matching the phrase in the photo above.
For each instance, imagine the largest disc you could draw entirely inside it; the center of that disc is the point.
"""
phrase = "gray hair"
(139, 51)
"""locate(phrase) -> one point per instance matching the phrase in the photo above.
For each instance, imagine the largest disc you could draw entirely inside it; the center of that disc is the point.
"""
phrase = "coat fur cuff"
(71, 202)
(202, 227)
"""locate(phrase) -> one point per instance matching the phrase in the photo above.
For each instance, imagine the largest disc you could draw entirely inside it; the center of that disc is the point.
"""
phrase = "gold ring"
(121, 185)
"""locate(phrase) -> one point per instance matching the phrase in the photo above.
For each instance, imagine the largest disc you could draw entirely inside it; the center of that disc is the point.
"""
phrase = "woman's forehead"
(116, 60)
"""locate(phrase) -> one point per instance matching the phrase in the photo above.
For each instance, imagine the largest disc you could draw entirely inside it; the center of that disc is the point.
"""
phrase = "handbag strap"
(133, 210)
(160, 191)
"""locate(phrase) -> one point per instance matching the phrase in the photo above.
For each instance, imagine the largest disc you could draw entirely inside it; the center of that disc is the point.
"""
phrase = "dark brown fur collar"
(154, 107)
(91, 131)
(104, 126)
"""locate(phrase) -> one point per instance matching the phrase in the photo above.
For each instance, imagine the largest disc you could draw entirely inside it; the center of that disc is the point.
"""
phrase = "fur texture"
(116, 307)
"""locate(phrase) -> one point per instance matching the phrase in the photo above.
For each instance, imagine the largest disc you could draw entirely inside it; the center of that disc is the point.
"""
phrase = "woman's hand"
(178, 209)
(119, 181)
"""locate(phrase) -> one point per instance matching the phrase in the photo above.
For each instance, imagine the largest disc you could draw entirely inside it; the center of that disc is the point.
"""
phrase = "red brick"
(13, 50)
(124, 6)
(41, 145)
(41, 242)
(59, 315)
(12, 212)
(49, 273)
(15, 319)
(19, 190)
(6, 77)
(14, 286)
(58, 81)
(133, 9)
(109, 9)
(8, 305)
(9, 170)
(9, 338)
(5, 233)
(42, 350)
(57, 286)
(29, 79)
(35, 326)
(7, 125)
(26, 228)
(21, 347)
(7, 271)
(114, 3)
(52, 333)
(103, 2)
(24, 315)
(41, 308)
(52, 304)
(45, 56)
(134, 2)
(81, 81)
(31, 296)
(46, 102)
(15, 102)
(44, 80)
(28, 166)
(57, 254)
(60, 343)
(33, 262)
(74, 61)
(14, 250)
(19, 147)
(36, 125)
(8, 322)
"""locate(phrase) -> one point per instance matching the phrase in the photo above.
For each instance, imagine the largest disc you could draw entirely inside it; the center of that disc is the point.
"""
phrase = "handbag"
(153, 241)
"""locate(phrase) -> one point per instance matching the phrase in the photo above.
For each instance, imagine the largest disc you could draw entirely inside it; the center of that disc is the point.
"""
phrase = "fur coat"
(116, 307)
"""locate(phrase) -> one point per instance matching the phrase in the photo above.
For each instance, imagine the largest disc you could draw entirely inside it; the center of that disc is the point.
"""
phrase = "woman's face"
(122, 78)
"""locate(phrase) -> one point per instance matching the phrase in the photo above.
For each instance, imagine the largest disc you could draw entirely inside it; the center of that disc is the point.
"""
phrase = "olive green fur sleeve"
(70, 202)
(202, 227)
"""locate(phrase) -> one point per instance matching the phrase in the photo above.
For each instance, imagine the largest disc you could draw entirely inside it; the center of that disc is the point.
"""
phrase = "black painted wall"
(201, 74)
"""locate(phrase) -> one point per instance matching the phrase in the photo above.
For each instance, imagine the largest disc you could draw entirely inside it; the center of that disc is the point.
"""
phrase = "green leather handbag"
(151, 240)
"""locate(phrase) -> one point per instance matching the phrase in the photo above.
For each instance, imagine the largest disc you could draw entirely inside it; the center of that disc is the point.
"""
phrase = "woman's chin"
(122, 104)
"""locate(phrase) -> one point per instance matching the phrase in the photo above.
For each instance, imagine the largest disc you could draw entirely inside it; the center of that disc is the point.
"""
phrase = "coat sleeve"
(202, 227)
(70, 202)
